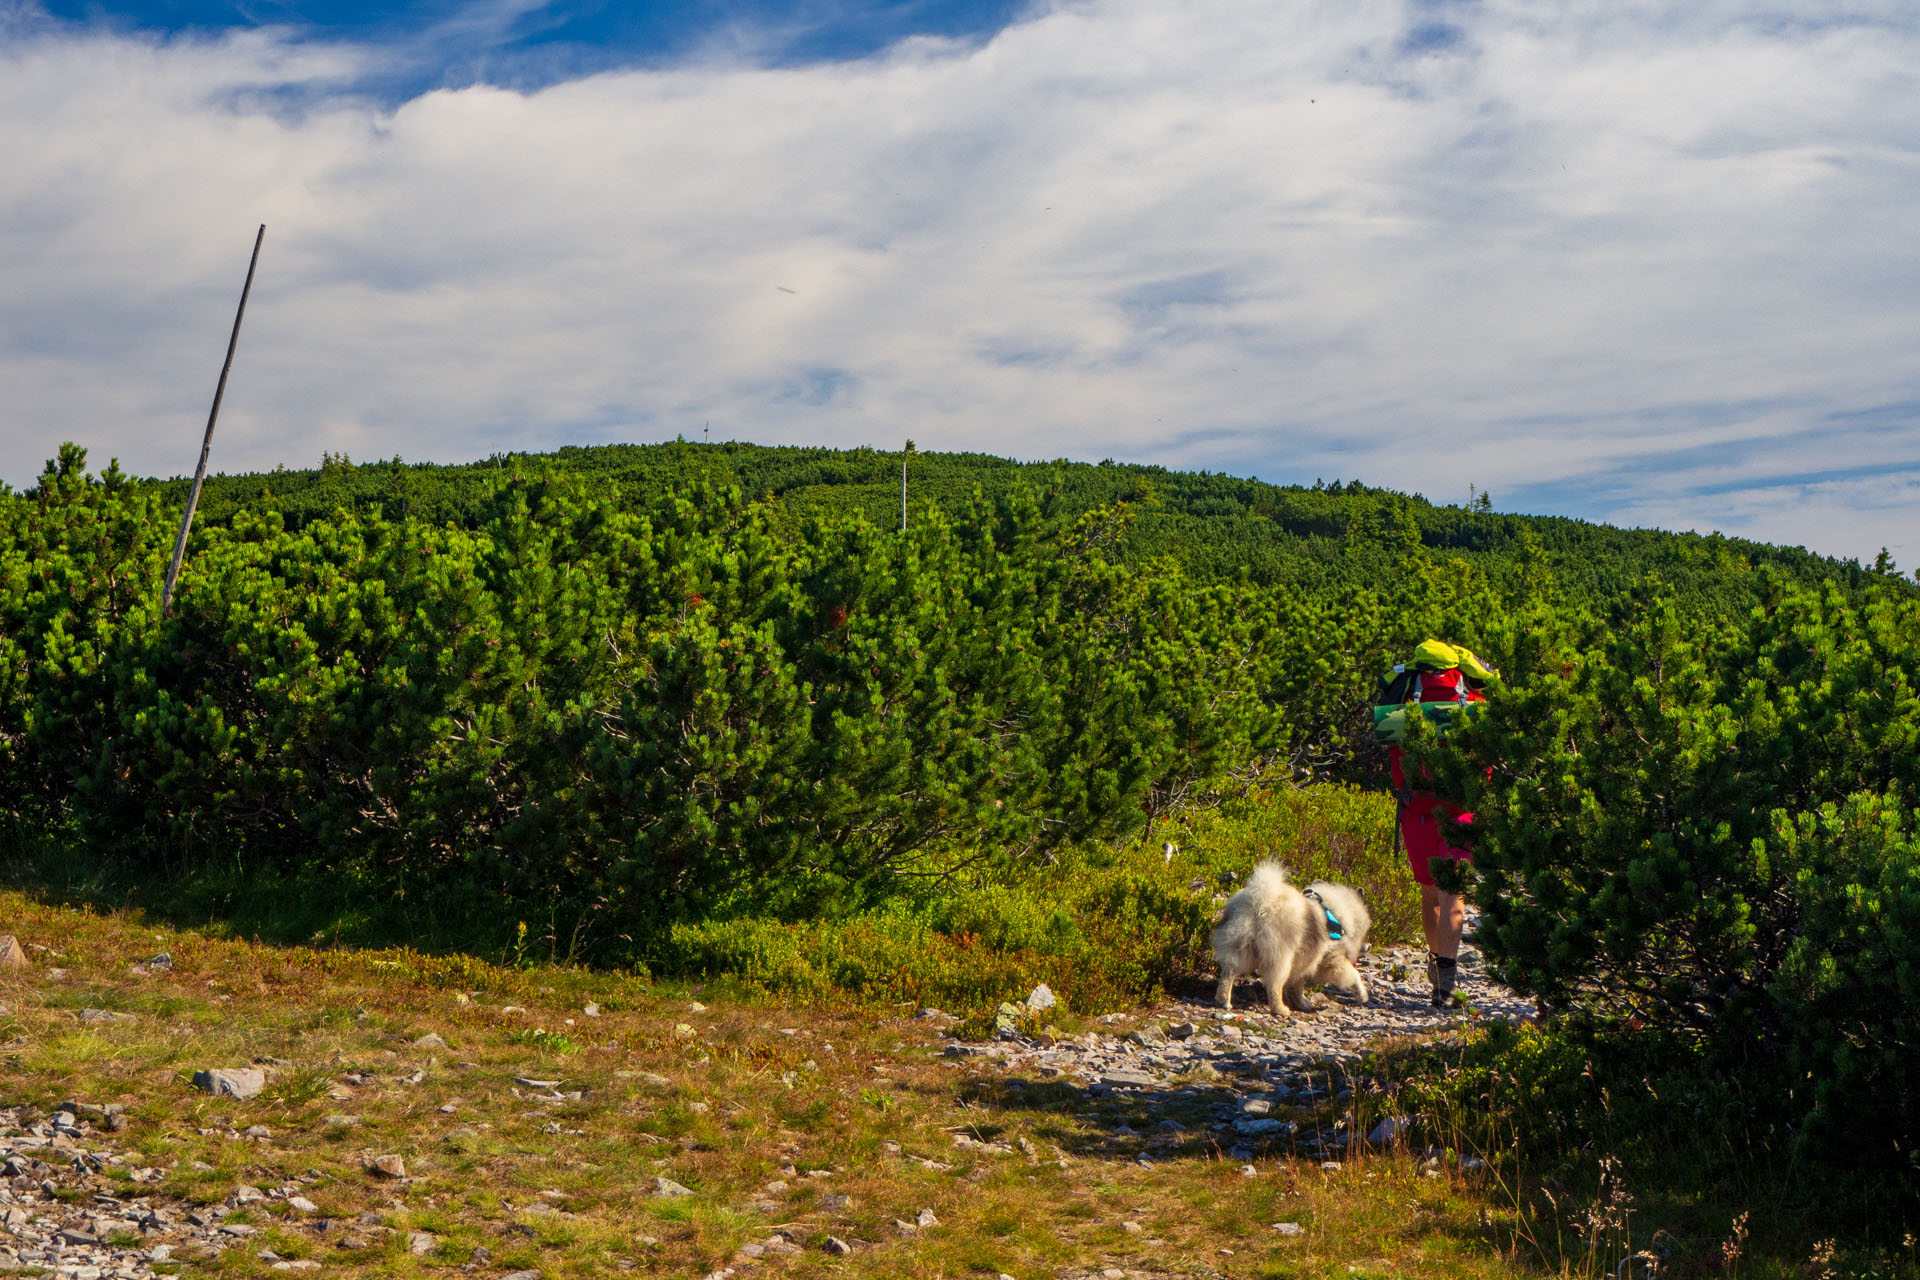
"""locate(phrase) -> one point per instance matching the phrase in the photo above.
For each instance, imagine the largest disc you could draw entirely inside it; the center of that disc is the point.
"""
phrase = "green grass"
(1585, 1168)
(1106, 926)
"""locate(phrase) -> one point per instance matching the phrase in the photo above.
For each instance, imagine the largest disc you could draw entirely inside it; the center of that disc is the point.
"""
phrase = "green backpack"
(1442, 680)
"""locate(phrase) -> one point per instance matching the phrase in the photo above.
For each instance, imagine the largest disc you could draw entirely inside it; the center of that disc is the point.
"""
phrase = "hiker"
(1442, 679)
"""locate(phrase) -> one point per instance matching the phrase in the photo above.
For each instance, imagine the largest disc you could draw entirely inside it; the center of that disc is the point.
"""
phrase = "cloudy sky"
(1646, 262)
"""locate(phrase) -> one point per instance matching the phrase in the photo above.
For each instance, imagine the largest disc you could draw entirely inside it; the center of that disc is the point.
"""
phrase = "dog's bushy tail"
(1267, 878)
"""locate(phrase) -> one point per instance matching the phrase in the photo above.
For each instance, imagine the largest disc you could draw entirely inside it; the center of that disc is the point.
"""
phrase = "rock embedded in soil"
(231, 1082)
(107, 1016)
(667, 1188)
(13, 956)
(389, 1166)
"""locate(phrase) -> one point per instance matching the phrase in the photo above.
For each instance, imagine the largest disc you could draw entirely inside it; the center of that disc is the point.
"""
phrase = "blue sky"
(1650, 263)
(527, 45)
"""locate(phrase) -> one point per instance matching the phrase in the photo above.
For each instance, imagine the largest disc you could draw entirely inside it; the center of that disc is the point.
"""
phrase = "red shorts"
(1423, 820)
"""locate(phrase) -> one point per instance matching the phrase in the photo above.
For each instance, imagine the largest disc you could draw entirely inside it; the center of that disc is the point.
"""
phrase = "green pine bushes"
(1702, 831)
(629, 713)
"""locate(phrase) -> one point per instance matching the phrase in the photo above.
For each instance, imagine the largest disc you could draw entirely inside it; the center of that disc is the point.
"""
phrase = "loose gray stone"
(1256, 1125)
(107, 1016)
(231, 1082)
(1134, 1079)
(1041, 998)
(1289, 1228)
(430, 1041)
(1387, 1130)
(926, 1220)
(668, 1188)
(837, 1247)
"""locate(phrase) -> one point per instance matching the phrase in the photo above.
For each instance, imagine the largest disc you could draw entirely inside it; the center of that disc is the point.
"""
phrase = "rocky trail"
(1245, 1081)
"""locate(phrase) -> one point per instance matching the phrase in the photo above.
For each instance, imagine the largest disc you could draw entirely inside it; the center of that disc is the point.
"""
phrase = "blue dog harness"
(1333, 921)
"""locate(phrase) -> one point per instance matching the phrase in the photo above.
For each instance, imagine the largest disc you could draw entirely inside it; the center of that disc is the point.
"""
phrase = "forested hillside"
(1217, 526)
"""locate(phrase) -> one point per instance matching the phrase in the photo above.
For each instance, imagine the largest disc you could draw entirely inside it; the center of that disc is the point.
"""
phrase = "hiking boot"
(1443, 973)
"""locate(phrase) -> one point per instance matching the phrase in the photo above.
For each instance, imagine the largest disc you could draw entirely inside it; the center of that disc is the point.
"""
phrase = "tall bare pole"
(904, 454)
(206, 444)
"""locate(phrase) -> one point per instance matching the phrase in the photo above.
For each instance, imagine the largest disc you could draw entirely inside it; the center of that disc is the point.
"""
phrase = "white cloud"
(1637, 261)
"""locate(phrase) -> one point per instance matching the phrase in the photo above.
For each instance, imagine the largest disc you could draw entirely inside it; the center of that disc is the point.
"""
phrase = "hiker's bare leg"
(1442, 916)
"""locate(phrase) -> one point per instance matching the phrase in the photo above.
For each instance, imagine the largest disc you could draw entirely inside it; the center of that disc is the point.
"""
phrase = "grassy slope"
(718, 1100)
(727, 1099)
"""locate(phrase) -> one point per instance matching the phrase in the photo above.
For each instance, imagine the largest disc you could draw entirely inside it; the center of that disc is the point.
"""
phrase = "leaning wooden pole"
(206, 443)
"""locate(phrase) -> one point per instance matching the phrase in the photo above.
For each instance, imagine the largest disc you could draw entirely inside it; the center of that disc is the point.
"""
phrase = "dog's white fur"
(1272, 929)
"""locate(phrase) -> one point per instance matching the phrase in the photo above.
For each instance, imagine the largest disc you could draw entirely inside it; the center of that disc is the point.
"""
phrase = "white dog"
(1290, 938)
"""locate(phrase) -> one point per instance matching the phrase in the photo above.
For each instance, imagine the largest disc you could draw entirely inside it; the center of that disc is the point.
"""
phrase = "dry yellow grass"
(791, 1125)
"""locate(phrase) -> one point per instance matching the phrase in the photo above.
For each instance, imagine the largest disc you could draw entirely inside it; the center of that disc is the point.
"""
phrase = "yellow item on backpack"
(1438, 655)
